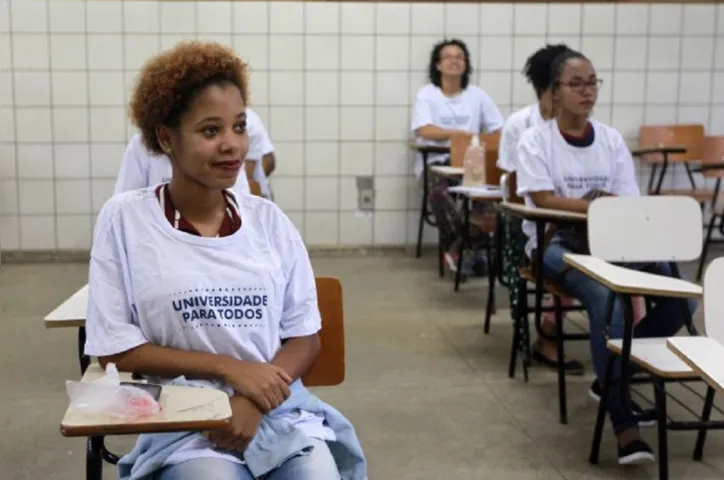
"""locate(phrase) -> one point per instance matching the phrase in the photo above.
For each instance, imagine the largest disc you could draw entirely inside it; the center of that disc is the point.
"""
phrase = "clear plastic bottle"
(474, 164)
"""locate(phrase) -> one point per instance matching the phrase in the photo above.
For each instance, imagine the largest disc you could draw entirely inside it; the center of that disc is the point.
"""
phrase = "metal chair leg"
(705, 248)
(561, 364)
(705, 416)
(601, 414)
(94, 459)
(663, 453)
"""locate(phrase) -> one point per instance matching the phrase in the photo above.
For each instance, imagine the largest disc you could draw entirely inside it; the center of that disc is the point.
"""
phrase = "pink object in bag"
(107, 396)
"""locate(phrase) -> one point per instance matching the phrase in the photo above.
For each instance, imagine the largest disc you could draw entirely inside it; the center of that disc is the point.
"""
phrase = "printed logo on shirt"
(587, 183)
(455, 121)
(236, 306)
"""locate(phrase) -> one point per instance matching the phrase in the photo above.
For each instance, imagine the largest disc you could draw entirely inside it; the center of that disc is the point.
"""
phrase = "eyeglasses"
(580, 85)
(453, 57)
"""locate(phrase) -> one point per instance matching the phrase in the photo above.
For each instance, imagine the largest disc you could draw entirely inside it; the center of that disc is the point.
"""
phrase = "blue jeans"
(315, 465)
(664, 320)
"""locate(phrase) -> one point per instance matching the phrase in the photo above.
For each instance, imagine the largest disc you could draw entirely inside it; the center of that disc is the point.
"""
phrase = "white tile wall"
(334, 84)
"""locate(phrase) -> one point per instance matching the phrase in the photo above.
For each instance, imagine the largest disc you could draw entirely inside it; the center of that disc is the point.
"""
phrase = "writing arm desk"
(185, 409)
(649, 353)
(704, 355)
(72, 313)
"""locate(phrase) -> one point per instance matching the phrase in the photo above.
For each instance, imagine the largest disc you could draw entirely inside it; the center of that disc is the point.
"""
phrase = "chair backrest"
(714, 300)
(329, 368)
(645, 229)
(254, 187)
(460, 144)
(690, 136)
(712, 151)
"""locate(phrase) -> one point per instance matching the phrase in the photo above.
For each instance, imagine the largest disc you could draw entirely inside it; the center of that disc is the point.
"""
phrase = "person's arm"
(423, 125)
(534, 176)
(301, 320)
(133, 173)
(554, 202)
(269, 163)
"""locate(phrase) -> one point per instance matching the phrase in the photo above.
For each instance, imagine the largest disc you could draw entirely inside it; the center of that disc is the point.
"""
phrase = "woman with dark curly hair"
(446, 107)
(190, 281)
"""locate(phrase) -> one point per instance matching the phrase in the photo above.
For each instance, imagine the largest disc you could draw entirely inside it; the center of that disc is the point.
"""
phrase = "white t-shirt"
(547, 162)
(472, 110)
(140, 168)
(259, 145)
(239, 295)
(514, 126)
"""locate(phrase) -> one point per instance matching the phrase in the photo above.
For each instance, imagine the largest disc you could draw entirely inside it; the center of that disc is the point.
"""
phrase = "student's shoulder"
(607, 133)
(252, 116)
(121, 204)
(478, 93)
(519, 119)
(427, 92)
(538, 135)
(265, 213)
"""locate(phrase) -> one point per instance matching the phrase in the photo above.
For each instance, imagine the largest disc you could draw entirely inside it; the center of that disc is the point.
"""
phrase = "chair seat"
(527, 274)
(653, 355)
(701, 196)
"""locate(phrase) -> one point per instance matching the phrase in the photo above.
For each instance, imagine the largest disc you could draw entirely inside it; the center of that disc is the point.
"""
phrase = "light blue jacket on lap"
(275, 442)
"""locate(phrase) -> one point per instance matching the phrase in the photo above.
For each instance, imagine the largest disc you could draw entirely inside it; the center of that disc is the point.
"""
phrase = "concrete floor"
(426, 389)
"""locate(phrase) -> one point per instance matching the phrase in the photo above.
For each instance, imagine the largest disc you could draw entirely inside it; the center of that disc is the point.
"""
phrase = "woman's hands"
(246, 418)
(263, 383)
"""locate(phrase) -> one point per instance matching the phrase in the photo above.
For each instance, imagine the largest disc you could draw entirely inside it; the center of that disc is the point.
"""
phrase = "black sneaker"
(594, 391)
(635, 452)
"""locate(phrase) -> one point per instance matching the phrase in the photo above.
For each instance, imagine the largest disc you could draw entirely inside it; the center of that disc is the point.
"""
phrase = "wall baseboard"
(82, 256)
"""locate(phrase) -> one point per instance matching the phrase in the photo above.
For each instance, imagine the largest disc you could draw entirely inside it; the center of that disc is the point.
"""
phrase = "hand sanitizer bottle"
(474, 164)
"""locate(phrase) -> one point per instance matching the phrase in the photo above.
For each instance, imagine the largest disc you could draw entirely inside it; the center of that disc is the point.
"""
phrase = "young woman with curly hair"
(190, 281)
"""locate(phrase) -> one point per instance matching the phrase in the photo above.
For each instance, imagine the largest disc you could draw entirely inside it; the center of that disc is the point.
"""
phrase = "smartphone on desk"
(153, 389)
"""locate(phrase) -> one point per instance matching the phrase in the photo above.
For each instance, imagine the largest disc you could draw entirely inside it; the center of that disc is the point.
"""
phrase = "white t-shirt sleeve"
(508, 150)
(421, 111)
(259, 142)
(491, 120)
(110, 324)
(534, 170)
(133, 173)
(300, 313)
(624, 180)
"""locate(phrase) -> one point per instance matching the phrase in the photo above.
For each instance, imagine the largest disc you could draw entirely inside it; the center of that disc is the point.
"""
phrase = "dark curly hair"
(434, 73)
(538, 67)
(170, 81)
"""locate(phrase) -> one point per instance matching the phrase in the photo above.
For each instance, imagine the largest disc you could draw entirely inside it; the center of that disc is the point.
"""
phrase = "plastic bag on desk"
(107, 396)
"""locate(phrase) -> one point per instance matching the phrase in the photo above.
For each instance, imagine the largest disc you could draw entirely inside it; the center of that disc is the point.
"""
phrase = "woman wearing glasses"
(564, 164)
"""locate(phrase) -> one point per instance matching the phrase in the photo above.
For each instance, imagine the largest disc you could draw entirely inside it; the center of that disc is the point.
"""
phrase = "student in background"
(564, 164)
(538, 72)
(172, 272)
(260, 161)
(446, 107)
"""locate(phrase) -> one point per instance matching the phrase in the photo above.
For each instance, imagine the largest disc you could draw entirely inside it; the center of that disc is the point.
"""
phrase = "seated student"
(260, 161)
(140, 168)
(563, 164)
(446, 107)
(538, 72)
(170, 274)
